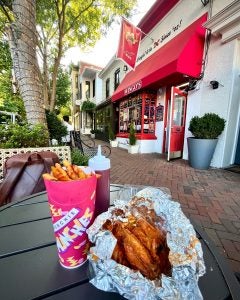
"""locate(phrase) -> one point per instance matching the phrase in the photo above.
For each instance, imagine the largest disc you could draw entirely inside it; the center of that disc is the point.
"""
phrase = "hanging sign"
(129, 43)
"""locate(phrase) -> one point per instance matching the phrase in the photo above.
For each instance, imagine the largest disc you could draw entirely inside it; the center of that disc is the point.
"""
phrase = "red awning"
(181, 56)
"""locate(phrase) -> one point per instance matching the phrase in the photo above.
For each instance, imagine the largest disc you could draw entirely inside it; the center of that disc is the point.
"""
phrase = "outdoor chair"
(87, 145)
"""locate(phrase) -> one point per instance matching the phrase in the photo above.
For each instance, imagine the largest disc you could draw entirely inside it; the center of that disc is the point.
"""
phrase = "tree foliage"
(56, 128)
(66, 23)
(60, 24)
(63, 89)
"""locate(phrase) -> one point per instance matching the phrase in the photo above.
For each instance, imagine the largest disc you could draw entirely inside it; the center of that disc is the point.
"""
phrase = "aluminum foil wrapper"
(185, 256)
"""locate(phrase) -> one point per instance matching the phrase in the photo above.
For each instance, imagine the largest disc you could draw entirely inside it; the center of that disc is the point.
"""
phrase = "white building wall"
(219, 5)
(223, 65)
(98, 90)
(109, 73)
(74, 89)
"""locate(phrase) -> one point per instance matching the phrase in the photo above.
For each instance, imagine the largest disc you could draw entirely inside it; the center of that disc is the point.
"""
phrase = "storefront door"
(176, 123)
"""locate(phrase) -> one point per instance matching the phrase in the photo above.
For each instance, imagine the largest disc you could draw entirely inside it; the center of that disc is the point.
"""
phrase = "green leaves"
(78, 158)
(63, 92)
(209, 126)
(23, 136)
(132, 135)
(88, 106)
(55, 127)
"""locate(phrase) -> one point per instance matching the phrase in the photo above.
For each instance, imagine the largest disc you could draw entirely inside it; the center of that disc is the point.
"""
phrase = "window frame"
(107, 87)
(87, 90)
(116, 78)
(94, 87)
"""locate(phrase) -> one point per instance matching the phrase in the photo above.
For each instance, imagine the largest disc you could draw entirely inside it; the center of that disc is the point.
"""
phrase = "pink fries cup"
(72, 206)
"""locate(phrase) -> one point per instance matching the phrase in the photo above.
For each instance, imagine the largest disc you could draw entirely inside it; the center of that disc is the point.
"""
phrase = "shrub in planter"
(133, 147)
(201, 147)
(209, 126)
(111, 134)
(112, 137)
(23, 136)
(132, 135)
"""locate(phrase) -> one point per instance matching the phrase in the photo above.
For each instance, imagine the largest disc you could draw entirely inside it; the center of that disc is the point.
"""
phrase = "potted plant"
(201, 146)
(112, 137)
(133, 147)
(92, 132)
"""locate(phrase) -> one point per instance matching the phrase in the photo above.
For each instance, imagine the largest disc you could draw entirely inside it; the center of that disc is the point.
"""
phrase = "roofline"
(156, 13)
(108, 65)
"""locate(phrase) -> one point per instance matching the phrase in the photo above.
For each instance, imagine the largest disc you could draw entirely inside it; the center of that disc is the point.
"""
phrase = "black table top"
(30, 269)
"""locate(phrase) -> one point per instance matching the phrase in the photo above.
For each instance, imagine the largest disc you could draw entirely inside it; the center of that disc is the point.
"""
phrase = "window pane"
(87, 89)
(107, 87)
(93, 87)
(116, 78)
(178, 111)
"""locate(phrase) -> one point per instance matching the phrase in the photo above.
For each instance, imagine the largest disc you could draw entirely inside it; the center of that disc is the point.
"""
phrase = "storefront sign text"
(162, 38)
(132, 88)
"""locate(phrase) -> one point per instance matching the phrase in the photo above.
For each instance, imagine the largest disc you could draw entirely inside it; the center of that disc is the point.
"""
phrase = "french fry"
(67, 173)
(79, 172)
(48, 176)
(70, 170)
(59, 173)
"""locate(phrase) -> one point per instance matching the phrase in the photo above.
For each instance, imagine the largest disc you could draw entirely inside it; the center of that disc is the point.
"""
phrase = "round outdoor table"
(30, 269)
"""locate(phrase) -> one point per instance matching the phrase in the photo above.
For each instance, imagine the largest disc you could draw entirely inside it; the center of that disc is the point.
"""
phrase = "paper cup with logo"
(72, 206)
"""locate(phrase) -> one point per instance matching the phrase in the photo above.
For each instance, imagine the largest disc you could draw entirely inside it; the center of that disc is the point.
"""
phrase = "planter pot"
(133, 149)
(114, 143)
(200, 152)
(93, 135)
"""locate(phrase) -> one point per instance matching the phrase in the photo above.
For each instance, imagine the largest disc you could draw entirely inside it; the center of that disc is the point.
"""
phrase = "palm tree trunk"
(23, 40)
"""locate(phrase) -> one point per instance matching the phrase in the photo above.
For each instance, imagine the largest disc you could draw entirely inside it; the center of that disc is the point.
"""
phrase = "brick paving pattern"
(211, 198)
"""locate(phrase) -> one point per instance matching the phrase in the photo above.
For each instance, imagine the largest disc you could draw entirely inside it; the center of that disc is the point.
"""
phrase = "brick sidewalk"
(211, 198)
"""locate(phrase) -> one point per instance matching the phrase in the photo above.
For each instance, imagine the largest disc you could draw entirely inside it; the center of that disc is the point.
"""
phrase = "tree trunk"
(23, 40)
(45, 76)
(55, 72)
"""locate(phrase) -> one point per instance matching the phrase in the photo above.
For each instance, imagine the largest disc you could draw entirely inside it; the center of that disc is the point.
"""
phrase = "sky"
(105, 48)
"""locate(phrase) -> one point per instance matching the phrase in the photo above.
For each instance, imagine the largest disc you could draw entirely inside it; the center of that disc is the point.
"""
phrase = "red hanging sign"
(129, 42)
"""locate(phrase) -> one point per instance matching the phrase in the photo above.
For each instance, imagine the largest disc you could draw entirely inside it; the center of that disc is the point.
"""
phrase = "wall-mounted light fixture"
(125, 68)
(214, 84)
(205, 2)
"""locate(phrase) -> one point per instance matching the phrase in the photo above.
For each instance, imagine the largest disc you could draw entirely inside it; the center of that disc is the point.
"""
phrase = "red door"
(176, 123)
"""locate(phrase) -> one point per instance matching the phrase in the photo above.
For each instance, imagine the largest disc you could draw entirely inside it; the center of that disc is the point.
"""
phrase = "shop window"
(139, 109)
(107, 87)
(103, 118)
(116, 78)
(93, 88)
(87, 93)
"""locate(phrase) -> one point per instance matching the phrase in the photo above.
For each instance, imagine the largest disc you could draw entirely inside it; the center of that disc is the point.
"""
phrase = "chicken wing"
(138, 256)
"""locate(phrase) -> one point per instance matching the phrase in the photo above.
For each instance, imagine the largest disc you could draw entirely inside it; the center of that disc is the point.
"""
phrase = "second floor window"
(80, 91)
(87, 89)
(93, 88)
(107, 87)
(116, 78)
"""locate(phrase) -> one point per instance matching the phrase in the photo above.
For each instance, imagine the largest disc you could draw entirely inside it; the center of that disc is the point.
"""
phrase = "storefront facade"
(106, 114)
(171, 82)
